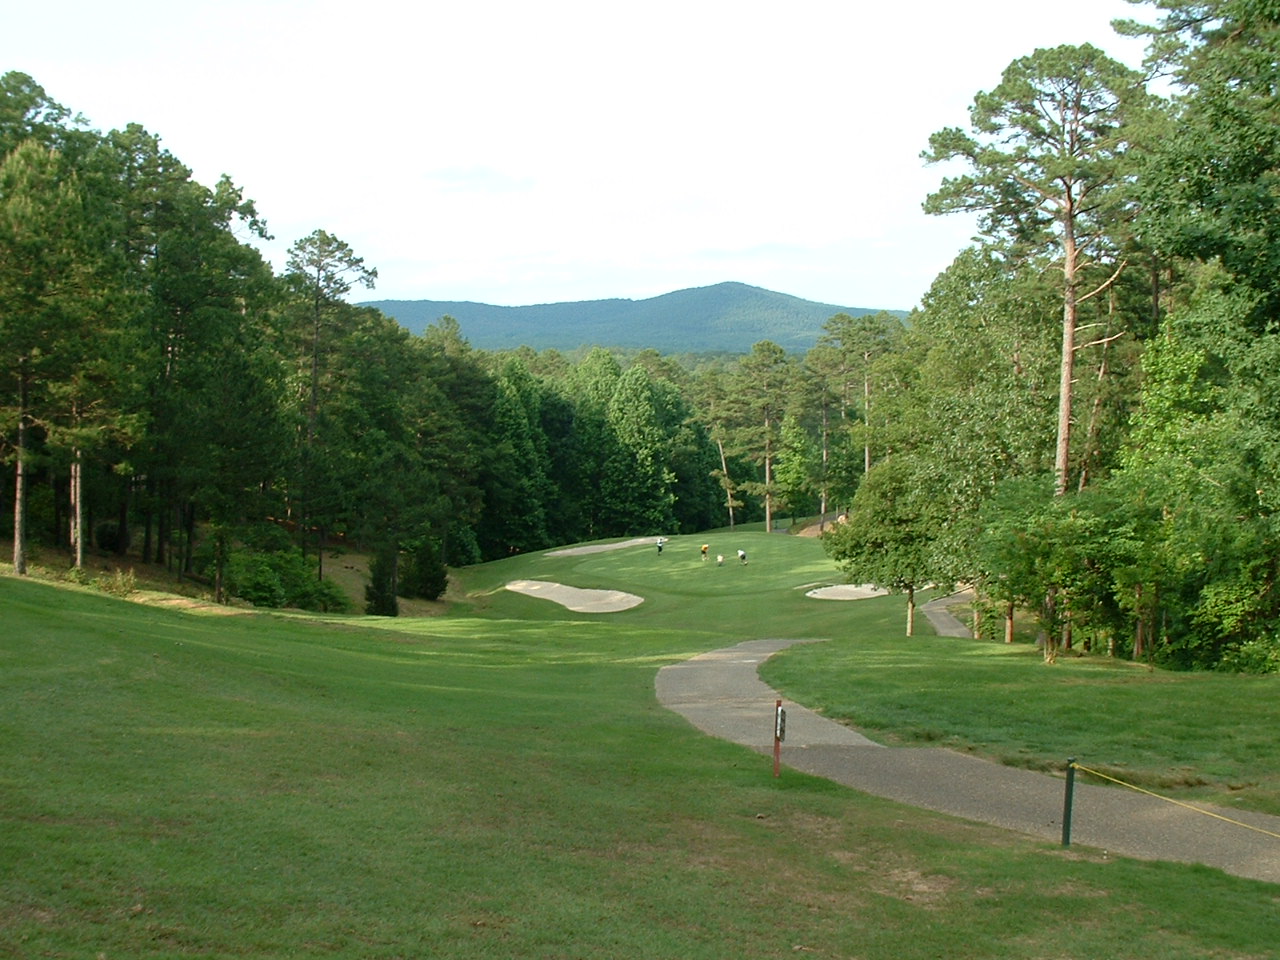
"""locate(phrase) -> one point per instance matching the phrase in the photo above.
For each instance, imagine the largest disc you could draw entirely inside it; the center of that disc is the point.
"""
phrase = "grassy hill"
(726, 317)
(500, 782)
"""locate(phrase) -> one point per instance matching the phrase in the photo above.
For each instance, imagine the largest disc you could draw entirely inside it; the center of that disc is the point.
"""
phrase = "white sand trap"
(602, 547)
(847, 591)
(575, 599)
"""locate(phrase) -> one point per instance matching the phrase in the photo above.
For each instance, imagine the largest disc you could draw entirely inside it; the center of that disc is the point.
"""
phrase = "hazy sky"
(519, 152)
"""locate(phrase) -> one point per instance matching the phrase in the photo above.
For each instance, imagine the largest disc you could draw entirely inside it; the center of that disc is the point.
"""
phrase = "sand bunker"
(575, 599)
(847, 591)
(602, 547)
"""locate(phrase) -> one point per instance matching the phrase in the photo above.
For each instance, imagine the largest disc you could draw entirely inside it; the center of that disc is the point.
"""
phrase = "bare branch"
(1105, 284)
(1104, 340)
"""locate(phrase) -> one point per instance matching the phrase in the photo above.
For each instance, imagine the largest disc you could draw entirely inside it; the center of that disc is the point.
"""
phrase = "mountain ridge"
(723, 317)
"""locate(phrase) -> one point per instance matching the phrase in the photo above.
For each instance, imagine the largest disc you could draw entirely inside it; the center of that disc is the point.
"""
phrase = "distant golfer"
(705, 548)
(742, 555)
(661, 542)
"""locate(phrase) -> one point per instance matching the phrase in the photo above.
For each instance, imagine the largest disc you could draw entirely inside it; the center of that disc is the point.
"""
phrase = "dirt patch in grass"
(157, 598)
(925, 889)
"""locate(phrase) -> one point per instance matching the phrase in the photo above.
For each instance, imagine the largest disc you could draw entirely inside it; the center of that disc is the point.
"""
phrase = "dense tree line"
(165, 393)
(1083, 420)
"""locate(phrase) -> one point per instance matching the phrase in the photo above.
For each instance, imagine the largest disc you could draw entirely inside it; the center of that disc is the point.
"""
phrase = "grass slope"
(1207, 736)
(502, 783)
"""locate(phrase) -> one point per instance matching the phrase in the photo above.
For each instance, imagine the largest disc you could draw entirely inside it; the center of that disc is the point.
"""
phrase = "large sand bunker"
(847, 591)
(576, 599)
(602, 547)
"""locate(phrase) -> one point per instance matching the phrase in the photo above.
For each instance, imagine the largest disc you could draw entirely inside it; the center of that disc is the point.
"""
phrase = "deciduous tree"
(888, 536)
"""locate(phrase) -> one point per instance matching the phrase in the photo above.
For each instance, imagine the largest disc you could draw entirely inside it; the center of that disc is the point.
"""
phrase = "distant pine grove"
(723, 318)
(1081, 421)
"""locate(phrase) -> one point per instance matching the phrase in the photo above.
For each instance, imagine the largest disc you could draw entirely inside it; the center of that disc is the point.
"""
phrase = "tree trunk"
(866, 417)
(188, 538)
(728, 488)
(1062, 456)
(911, 611)
(146, 536)
(1049, 620)
(77, 508)
(314, 406)
(219, 565)
(1155, 293)
(768, 493)
(1140, 631)
(163, 554)
(56, 488)
(189, 528)
(826, 458)
(1008, 624)
(768, 472)
(1095, 414)
(20, 477)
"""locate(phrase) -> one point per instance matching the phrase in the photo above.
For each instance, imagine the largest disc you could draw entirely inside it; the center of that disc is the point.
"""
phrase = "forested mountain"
(1081, 421)
(723, 318)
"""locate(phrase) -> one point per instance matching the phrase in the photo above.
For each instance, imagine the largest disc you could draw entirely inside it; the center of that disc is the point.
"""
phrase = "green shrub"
(423, 574)
(77, 575)
(323, 596)
(297, 576)
(281, 578)
(122, 583)
(1252, 656)
(254, 577)
(380, 594)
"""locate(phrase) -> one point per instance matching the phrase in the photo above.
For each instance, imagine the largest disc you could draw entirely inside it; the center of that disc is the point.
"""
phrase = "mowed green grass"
(502, 783)
(1197, 737)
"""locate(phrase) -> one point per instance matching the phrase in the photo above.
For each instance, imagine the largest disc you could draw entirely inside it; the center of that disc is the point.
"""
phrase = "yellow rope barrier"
(1150, 793)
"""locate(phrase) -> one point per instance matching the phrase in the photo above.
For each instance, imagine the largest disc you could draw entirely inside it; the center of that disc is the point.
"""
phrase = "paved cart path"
(720, 693)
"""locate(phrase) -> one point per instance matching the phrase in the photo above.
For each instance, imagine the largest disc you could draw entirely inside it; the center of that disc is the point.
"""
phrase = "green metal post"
(1067, 801)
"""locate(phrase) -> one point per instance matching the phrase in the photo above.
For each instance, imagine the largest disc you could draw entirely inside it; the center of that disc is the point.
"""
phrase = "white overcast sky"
(517, 152)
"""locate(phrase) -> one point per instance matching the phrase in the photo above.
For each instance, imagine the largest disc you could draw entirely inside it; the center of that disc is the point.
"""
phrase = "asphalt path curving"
(944, 622)
(721, 694)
